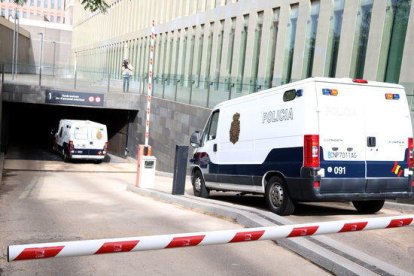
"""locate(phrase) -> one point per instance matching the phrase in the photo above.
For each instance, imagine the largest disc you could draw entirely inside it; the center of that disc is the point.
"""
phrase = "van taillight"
(410, 153)
(360, 81)
(311, 151)
(71, 147)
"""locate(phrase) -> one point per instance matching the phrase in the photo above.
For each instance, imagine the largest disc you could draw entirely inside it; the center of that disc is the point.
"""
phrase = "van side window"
(61, 132)
(210, 132)
(289, 95)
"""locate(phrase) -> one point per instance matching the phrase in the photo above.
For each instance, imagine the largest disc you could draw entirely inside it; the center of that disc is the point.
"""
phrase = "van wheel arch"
(269, 175)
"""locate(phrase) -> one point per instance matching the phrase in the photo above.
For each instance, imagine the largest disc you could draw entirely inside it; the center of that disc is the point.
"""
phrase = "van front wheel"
(369, 206)
(199, 187)
(277, 197)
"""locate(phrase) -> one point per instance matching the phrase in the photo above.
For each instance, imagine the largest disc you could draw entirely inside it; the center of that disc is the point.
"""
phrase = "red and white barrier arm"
(94, 247)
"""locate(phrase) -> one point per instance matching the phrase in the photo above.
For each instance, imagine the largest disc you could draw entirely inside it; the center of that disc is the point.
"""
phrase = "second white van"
(81, 139)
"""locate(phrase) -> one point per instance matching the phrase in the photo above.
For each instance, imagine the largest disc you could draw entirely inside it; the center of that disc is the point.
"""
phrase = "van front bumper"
(349, 189)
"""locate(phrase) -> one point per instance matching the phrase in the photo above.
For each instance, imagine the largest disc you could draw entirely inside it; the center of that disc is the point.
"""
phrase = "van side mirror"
(195, 139)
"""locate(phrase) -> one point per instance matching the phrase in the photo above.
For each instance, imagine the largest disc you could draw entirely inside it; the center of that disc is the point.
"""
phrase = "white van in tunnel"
(318, 139)
(79, 139)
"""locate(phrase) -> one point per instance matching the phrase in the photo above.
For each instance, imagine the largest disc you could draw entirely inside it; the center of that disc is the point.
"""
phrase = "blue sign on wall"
(73, 98)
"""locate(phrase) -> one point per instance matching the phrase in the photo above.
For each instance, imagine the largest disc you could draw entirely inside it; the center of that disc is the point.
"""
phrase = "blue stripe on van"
(289, 161)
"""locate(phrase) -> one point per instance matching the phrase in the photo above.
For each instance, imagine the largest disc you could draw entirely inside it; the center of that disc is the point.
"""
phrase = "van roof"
(301, 82)
(82, 122)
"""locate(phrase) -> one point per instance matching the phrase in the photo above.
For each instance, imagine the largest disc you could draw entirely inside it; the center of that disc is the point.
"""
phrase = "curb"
(399, 206)
(316, 249)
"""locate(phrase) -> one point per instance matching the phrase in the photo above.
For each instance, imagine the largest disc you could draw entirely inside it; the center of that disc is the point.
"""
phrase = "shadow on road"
(302, 209)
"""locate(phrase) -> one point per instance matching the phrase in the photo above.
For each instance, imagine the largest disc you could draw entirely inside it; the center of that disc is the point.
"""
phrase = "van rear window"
(81, 133)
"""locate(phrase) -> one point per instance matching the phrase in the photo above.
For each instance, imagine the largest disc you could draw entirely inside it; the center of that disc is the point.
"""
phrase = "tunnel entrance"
(28, 126)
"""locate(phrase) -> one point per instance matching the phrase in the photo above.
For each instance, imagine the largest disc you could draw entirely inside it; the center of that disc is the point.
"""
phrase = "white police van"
(318, 139)
(81, 139)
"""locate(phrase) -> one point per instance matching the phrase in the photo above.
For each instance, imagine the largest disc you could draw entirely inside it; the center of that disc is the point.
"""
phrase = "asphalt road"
(44, 206)
(393, 246)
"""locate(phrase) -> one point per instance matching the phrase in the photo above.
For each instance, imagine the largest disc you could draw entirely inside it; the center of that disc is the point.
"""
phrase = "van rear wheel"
(199, 187)
(277, 197)
(368, 206)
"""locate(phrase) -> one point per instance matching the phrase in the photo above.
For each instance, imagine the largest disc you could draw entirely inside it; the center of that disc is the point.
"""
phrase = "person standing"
(126, 74)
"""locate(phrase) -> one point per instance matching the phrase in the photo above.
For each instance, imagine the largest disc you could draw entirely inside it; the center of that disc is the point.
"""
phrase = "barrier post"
(180, 169)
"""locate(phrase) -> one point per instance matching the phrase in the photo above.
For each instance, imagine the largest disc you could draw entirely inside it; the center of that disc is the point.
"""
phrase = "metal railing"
(191, 90)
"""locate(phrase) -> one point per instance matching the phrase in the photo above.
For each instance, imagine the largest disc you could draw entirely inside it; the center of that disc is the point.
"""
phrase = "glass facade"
(256, 51)
(252, 45)
(396, 25)
(274, 30)
(242, 56)
(230, 51)
(311, 38)
(290, 43)
(335, 37)
(362, 34)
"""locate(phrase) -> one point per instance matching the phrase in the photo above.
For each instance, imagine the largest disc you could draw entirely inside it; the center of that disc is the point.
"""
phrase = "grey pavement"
(342, 257)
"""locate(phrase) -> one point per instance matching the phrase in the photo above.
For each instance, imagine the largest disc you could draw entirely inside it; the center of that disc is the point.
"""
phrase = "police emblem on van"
(235, 128)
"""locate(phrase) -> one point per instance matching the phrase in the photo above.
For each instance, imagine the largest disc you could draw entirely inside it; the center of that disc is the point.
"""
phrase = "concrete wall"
(171, 124)
(57, 41)
(25, 51)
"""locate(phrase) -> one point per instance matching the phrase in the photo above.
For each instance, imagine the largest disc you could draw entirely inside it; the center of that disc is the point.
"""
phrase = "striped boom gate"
(102, 246)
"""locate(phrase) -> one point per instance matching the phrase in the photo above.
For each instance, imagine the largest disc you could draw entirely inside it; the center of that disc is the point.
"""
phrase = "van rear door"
(388, 127)
(342, 134)
(362, 133)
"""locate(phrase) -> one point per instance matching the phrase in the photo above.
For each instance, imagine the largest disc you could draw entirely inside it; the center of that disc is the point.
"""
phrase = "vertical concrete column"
(189, 61)
(204, 59)
(162, 57)
(406, 75)
(225, 51)
(322, 39)
(201, 5)
(214, 50)
(198, 51)
(190, 7)
(347, 46)
(280, 57)
(303, 26)
(182, 54)
(377, 48)
(235, 72)
(170, 55)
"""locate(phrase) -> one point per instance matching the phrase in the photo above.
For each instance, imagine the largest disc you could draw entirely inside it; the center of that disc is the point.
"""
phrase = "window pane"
(311, 38)
(256, 51)
(335, 37)
(364, 21)
(400, 15)
(273, 40)
(242, 56)
(290, 44)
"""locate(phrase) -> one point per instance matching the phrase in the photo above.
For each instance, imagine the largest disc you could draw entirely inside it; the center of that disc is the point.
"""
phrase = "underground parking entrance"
(26, 128)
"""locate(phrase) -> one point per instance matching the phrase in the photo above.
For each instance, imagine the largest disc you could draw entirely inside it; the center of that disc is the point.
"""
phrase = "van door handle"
(371, 142)
(215, 147)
